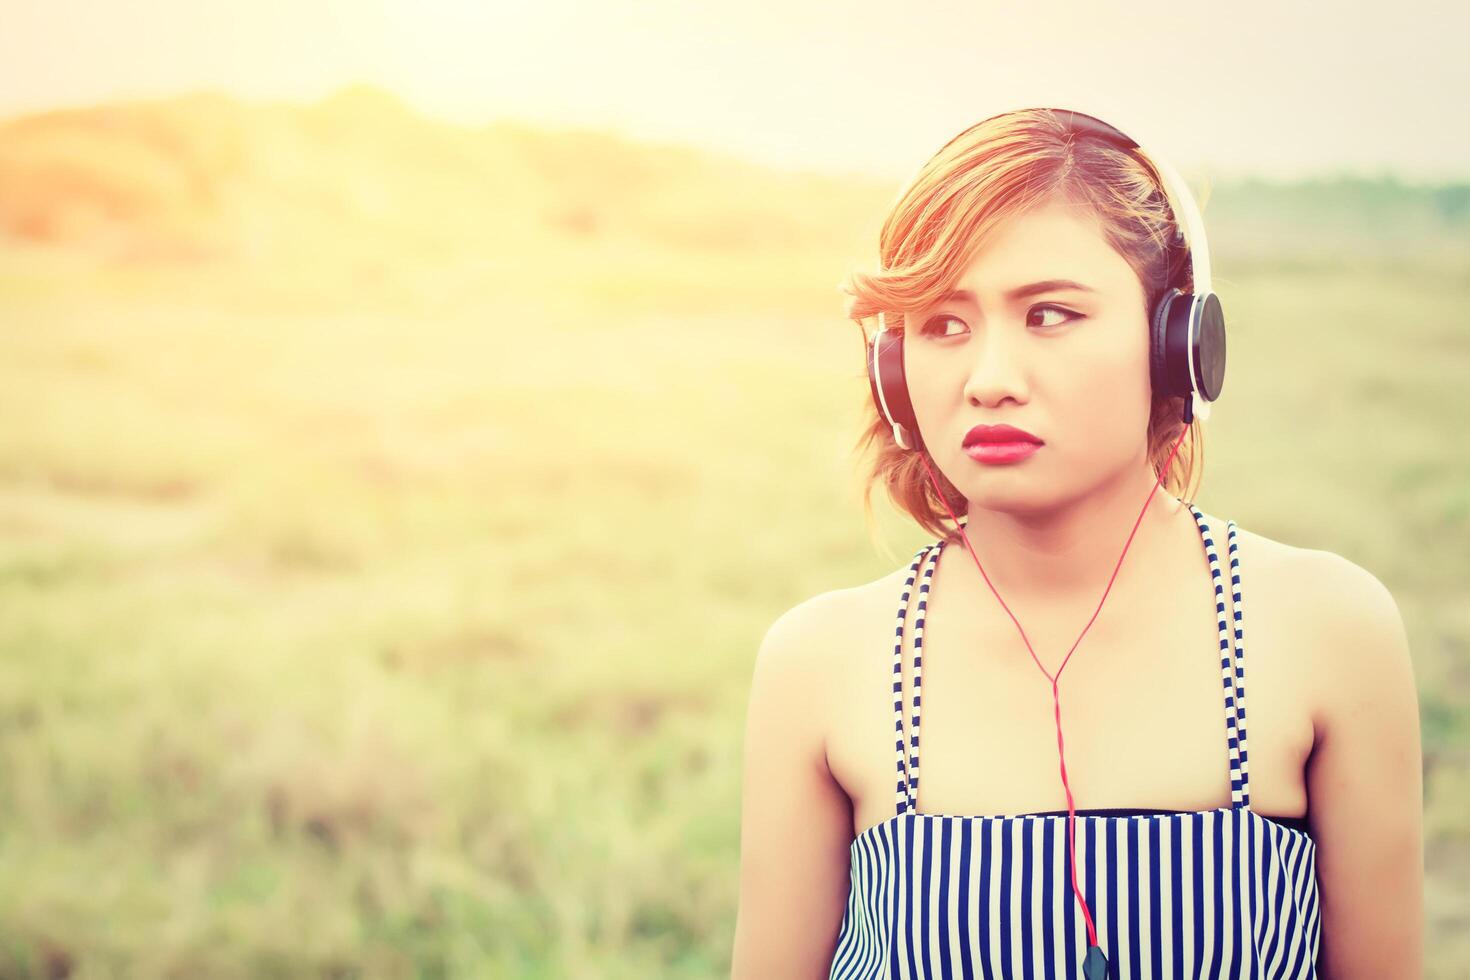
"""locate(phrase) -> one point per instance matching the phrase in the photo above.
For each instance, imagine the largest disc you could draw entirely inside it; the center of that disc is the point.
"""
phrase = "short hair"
(997, 169)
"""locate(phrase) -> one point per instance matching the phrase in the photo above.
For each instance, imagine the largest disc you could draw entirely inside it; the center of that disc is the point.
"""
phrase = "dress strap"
(1232, 660)
(922, 570)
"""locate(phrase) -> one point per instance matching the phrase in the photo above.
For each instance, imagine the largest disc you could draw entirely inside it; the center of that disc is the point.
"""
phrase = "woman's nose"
(997, 371)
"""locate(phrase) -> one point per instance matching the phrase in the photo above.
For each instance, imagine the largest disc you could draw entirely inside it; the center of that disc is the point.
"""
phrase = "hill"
(360, 182)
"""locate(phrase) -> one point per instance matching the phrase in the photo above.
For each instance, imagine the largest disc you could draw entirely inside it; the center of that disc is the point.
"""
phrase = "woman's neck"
(1067, 554)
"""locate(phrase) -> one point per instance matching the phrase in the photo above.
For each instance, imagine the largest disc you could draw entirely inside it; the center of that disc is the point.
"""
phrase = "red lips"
(998, 433)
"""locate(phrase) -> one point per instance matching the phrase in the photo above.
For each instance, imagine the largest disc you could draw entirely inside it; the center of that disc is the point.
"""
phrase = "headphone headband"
(1181, 201)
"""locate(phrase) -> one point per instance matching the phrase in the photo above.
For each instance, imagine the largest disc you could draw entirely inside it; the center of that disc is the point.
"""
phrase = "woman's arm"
(796, 821)
(1365, 784)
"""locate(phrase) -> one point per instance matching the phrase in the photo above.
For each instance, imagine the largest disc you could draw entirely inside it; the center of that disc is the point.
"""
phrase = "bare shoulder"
(796, 818)
(820, 627)
(801, 631)
(816, 652)
(795, 654)
(1316, 582)
(796, 642)
(1357, 617)
(1337, 615)
(1336, 596)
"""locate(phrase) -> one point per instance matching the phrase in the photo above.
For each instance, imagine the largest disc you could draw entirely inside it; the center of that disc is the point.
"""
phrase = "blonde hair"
(997, 169)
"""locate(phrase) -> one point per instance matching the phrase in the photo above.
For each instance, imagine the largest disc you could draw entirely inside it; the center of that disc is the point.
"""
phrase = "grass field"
(380, 581)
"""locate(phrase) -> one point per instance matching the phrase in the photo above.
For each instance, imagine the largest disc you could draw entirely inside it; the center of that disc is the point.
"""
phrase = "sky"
(1278, 90)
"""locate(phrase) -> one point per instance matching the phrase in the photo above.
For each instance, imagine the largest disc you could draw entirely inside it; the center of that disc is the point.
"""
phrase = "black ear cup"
(1209, 348)
(890, 388)
(1187, 346)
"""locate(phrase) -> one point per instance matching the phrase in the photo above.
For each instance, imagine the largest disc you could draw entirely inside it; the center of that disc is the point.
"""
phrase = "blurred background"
(412, 416)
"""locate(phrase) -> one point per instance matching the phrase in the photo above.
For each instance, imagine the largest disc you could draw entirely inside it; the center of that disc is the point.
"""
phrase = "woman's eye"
(934, 326)
(1054, 309)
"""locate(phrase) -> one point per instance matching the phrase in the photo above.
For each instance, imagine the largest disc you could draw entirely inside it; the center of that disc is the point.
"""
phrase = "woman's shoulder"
(1335, 614)
(817, 631)
(1314, 579)
(1347, 627)
(811, 622)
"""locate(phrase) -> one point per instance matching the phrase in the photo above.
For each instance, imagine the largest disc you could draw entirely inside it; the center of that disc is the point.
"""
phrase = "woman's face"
(1066, 363)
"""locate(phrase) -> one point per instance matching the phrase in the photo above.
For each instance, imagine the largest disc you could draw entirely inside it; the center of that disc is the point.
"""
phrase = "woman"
(1021, 268)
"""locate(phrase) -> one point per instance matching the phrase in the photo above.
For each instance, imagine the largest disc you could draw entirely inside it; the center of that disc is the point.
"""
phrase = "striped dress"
(1203, 893)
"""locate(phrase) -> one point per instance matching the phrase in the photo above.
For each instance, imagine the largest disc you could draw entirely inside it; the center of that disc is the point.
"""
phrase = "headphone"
(1186, 329)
